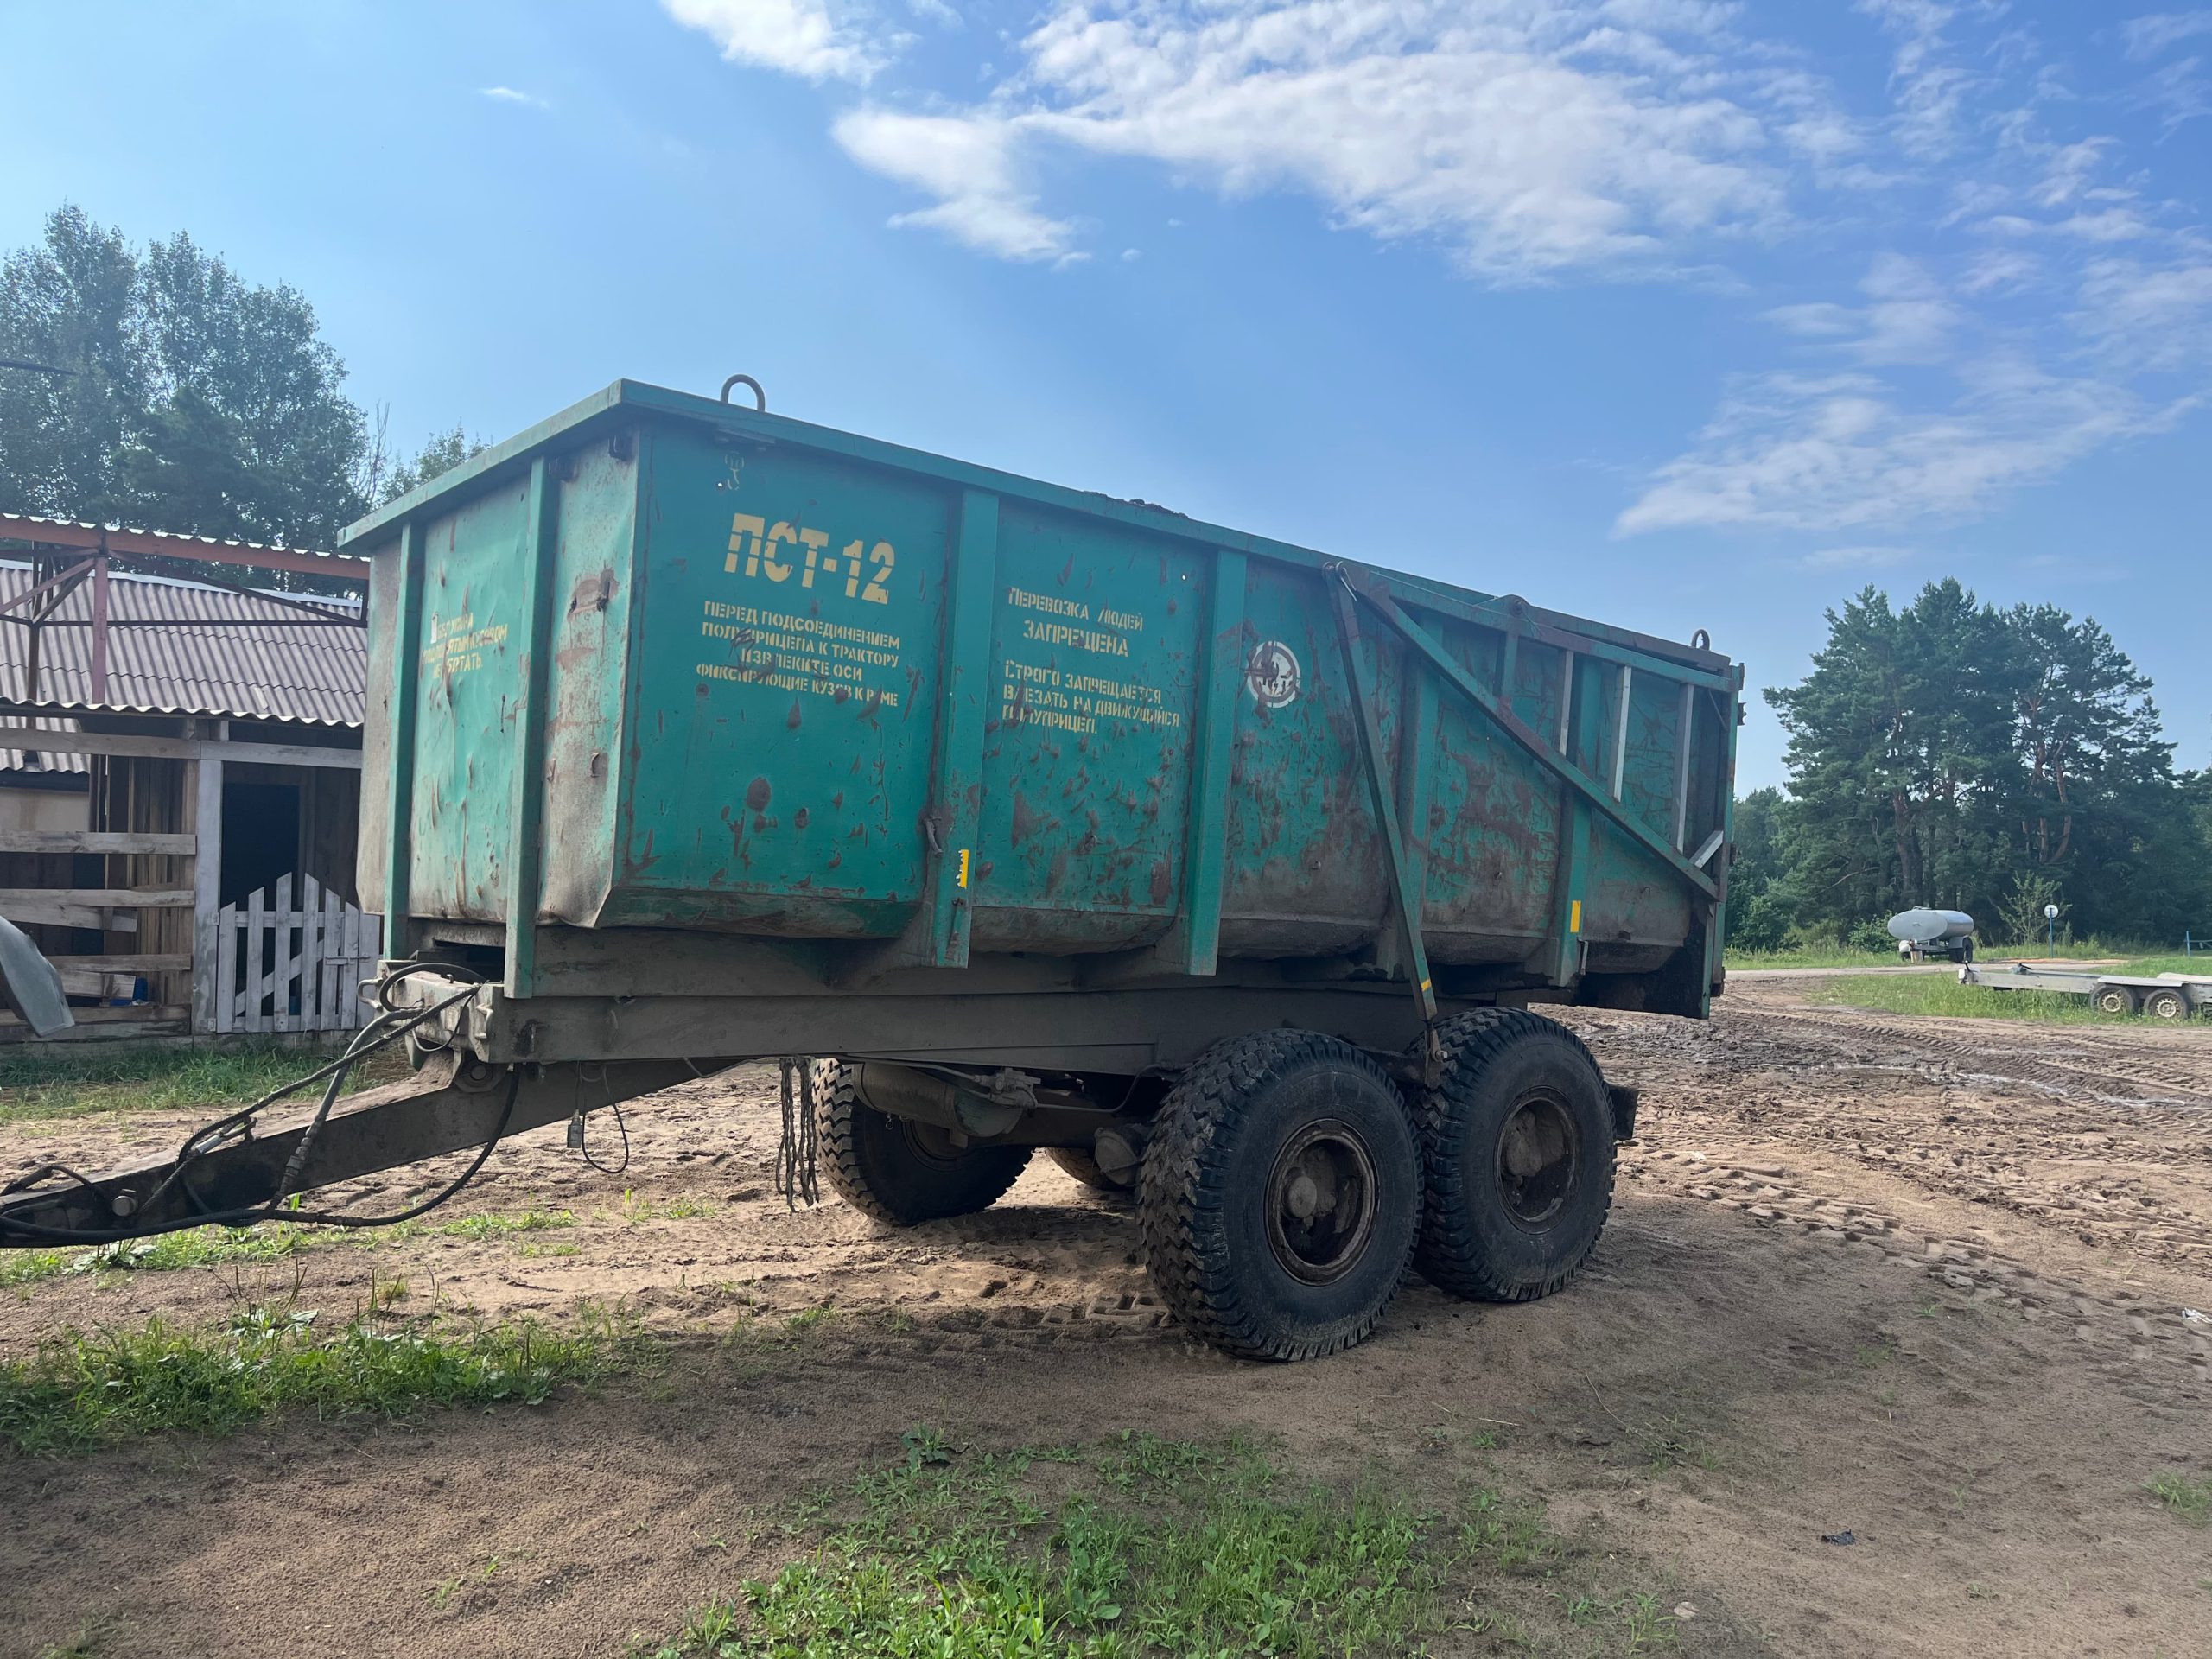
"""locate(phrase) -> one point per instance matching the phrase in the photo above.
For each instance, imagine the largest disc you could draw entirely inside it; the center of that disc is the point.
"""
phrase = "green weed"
(2191, 1499)
(29, 1267)
(635, 1209)
(80, 1389)
(484, 1227)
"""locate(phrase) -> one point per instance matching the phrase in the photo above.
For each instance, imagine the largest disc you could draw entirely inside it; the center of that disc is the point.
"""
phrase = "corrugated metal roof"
(195, 658)
(45, 760)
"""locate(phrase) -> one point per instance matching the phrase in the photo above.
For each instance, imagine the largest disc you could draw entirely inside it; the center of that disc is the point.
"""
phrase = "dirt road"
(1927, 1281)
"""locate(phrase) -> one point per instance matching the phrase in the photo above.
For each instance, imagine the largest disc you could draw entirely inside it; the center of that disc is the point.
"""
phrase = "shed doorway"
(261, 836)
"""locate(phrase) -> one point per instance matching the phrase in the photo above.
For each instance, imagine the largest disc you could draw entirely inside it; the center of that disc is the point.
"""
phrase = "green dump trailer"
(1214, 867)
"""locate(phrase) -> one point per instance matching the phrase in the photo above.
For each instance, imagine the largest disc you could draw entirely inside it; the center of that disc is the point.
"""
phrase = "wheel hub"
(1537, 1154)
(1321, 1202)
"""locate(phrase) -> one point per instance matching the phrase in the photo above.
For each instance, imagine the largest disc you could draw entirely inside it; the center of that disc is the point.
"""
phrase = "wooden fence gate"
(287, 967)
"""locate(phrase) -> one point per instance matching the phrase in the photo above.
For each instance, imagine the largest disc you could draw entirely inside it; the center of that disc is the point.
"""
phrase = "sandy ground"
(1922, 1279)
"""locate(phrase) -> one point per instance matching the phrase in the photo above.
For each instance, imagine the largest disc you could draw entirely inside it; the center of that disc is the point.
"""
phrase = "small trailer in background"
(2162, 996)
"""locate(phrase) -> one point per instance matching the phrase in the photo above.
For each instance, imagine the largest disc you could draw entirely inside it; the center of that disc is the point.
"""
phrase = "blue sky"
(1673, 313)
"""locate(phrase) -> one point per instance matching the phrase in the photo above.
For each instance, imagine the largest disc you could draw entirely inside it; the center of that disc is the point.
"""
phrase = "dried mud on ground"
(1921, 1280)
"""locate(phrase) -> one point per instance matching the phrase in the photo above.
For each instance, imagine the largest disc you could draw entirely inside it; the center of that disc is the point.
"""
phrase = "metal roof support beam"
(61, 533)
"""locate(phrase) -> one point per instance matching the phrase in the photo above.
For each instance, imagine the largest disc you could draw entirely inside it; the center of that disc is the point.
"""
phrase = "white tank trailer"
(1923, 933)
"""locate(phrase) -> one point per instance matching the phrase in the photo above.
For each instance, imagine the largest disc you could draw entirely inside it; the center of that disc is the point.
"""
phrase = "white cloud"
(1929, 89)
(2070, 168)
(1855, 558)
(509, 95)
(2176, 90)
(819, 40)
(2000, 272)
(2155, 316)
(969, 163)
(1534, 138)
(1908, 319)
(1786, 453)
(2146, 37)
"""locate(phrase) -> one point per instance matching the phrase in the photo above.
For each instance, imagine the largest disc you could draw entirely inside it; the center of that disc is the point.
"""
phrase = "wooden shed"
(179, 806)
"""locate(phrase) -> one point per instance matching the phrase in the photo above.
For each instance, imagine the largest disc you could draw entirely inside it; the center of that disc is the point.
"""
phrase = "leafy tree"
(196, 401)
(72, 304)
(1951, 754)
(440, 453)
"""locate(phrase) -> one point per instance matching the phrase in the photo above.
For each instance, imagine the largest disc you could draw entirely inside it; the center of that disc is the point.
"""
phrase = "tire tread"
(1448, 1255)
(1181, 1189)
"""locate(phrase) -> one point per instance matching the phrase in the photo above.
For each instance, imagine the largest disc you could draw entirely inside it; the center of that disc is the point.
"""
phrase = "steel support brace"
(1383, 793)
(1357, 582)
(957, 794)
(399, 760)
(1197, 937)
(526, 843)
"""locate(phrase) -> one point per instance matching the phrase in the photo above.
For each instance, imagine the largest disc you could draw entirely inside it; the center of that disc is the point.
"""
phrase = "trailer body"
(2163, 996)
(670, 696)
(1214, 865)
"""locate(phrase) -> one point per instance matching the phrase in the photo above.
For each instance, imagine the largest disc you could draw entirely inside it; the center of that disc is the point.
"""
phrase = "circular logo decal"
(1272, 674)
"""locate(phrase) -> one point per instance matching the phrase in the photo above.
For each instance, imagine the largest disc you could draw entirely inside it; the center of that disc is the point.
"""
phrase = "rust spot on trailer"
(796, 718)
(757, 794)
(798, 819)
(1160, 880)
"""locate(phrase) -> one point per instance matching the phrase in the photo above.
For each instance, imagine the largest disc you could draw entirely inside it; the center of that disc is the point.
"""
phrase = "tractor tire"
(1280, 1196)
(2169, 1006)
(896, 1171)
(2113, 998)
(1083, 1169)
(1518, 1138)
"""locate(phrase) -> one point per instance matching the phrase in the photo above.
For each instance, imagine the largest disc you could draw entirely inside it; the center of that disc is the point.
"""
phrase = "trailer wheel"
(1518, 1139)
(1280, 1195)
(2113, 998)
(895, 1171)
(1080, 1166)
(2166, 1004)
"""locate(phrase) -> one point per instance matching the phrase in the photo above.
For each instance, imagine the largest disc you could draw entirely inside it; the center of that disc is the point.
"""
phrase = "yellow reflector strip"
(963, 867)
(1573, 911)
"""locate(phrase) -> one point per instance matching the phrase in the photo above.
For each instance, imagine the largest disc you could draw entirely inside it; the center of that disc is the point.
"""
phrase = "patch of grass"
(195, 1247)
(1940, 994)
(29, 1267)
(89, 1641)
(635, 1209)
(82, 1389)
(484, 1227)
(217, 1246)
(1139, 1545)
(2191, 1499)
(78, 1079)
(2139, 959)
(1808, 956)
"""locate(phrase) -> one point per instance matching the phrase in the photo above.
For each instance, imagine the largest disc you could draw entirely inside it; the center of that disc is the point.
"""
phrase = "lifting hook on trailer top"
(760, 397)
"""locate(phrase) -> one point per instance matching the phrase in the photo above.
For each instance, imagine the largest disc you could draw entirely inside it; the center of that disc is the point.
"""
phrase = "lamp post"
(2051, 919)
